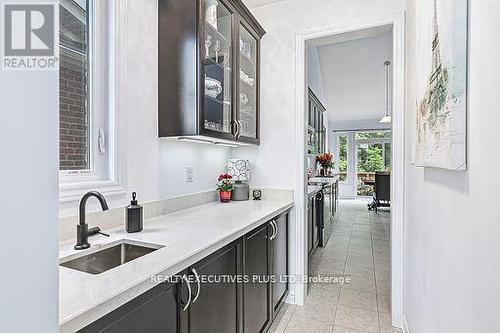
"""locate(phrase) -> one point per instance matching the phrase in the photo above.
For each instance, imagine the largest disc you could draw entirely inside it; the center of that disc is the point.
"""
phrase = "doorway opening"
(372, 147)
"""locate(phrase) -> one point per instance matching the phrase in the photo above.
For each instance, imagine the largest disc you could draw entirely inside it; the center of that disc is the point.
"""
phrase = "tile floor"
(359, 249)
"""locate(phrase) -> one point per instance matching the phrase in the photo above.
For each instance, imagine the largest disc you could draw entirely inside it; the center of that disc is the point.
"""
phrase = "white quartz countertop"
(313, 189)
(187, 236)
(324, 180)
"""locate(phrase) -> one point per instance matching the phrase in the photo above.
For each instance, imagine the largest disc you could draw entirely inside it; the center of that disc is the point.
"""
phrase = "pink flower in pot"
(225, 187)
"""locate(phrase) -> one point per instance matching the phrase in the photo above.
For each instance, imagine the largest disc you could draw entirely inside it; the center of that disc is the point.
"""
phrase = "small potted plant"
(225, 187)
(325, 160)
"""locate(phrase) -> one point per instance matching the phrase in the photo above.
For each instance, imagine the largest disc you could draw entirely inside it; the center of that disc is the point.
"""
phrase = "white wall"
(452, 252)
(276, 161)
(155, 167)
(354, 77)
(314, 75)
(276, 158)
(28, 197)
(362, 124)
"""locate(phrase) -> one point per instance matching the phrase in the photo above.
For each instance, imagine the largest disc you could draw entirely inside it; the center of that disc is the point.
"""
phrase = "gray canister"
(241, 191)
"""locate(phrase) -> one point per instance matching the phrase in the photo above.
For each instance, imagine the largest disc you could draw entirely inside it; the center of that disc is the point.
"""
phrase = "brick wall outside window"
(73, 113)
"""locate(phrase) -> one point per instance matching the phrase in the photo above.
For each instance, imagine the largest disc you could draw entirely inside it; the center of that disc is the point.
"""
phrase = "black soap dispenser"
(133, 216)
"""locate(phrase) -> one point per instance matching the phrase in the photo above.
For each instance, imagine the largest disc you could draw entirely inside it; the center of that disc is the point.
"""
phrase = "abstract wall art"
(441, 27)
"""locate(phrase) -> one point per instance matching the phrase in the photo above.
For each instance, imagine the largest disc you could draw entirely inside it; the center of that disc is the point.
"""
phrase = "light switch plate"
(189, 174)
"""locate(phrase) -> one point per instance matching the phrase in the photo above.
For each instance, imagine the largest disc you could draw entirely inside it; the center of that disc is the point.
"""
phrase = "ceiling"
(258, 3)
(353, 76)
(351, 36)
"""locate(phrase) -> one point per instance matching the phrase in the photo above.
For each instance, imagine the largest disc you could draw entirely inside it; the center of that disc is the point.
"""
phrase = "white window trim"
(350, 138)
(74, 186)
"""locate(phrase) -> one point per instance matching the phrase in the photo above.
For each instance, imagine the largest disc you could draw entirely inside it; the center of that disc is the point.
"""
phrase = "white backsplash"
(115, 217)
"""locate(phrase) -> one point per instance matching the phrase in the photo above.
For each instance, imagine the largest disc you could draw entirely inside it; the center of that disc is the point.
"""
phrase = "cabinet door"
(256, 294)
(280, 261)
(318, 216)
(248, 110)
(218, 66)
(310, 113)
(310, 225)
(216, 309)
(155, 311)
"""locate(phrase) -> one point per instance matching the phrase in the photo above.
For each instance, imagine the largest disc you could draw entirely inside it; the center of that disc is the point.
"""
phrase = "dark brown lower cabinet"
(215, 300)
(257, 291)
(279, 262)
(155, 311)
(214, 308)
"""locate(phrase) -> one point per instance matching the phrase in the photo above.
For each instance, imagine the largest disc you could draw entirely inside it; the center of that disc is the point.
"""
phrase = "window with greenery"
(373, 154)
(370, 158)
(367, 135)
(387, 154)
(342, 156)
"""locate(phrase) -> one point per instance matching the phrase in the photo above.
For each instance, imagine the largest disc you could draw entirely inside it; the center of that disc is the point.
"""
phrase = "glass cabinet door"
(248, 88)
(218, 64)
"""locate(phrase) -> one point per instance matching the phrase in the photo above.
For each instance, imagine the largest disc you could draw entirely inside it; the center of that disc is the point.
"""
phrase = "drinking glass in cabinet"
(248, 83)
(217, 68)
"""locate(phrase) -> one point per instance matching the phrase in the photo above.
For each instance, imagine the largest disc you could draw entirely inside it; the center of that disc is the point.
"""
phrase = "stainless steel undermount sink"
(109, 256)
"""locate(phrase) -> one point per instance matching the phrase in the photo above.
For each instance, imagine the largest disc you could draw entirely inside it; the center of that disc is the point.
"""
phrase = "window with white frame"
(373, 154)
(84, 103)
(342, 165)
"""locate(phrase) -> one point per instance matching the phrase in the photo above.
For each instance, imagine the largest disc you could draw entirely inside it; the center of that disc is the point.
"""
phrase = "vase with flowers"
(225, 187)
(325, 161)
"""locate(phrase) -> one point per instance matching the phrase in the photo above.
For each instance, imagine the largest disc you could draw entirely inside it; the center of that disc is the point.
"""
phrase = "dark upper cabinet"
(208, 71)
(257, 293)
(317, 126)
(279, 261)
(155, 311)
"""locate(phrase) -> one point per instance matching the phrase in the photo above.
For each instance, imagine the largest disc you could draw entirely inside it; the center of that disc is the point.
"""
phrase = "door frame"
(397, 22)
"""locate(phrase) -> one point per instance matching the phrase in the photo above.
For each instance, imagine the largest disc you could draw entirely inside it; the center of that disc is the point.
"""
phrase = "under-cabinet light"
(195, 140)
(227, 144)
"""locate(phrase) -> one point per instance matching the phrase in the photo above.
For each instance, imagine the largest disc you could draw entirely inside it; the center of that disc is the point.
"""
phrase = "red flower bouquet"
(325, 160)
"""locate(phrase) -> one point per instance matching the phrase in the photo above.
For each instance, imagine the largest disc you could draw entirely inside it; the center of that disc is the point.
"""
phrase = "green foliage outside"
(343, 153)
(370, 156)
(343, 156)
(370, 159)
(373, 135)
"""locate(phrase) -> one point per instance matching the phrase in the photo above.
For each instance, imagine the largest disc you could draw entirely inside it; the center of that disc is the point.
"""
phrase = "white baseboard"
(290, 299)
(406, 329)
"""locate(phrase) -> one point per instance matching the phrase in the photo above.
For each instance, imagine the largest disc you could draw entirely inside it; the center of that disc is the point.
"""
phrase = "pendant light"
(387, 118)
